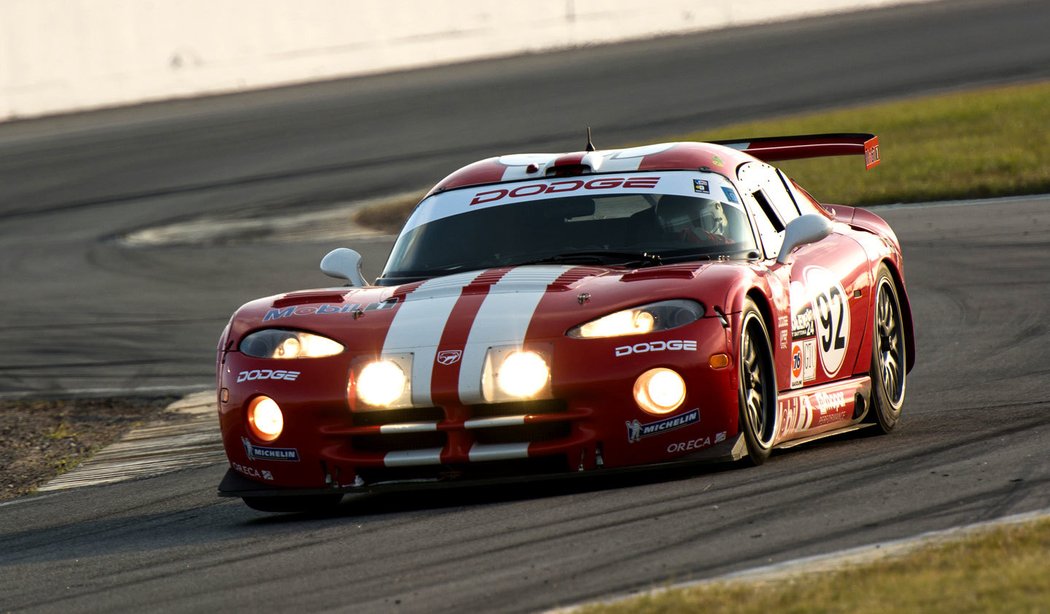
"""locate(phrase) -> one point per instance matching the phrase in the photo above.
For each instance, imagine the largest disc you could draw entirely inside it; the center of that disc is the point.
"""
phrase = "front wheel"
(758, 387)
(888, 355)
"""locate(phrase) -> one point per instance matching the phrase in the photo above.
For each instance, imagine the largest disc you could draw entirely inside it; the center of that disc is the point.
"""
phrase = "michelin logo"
(255, 452)
(636, 431)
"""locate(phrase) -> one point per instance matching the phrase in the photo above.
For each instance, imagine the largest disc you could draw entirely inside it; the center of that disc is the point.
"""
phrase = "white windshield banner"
(683, 183)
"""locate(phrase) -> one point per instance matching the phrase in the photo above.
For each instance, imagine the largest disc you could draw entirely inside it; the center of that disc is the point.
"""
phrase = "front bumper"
(591, 423)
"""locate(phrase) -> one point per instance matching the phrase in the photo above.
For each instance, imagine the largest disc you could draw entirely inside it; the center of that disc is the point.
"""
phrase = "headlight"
(664, 315)
(513, 374)
(384, 383)
(278, 343)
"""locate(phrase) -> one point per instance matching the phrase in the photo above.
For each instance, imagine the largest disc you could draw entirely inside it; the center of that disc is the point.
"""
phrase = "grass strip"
(975, 144)
(1002, 570)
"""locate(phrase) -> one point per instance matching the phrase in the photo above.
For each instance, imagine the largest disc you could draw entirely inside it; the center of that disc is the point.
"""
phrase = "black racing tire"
(302, 503)
(757, 392)
(889, 358)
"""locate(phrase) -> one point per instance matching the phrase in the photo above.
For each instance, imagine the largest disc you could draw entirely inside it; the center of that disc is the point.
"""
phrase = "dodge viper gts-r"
(575, 313)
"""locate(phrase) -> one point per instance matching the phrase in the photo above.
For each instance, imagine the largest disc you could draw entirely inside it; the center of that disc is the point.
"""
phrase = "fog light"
(381, 383)
(522, 375)
(265, 419)
(659, 391)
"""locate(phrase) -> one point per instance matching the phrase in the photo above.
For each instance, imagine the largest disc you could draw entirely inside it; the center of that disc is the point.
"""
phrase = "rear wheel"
(305, 503)
(758, 389)
(888, 355)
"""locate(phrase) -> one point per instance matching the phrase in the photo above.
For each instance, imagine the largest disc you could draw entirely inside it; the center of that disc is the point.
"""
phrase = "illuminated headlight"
(664, 315)
(659, 391)
(279, 343)
(384, 383)
(265, 419)
(513, 374)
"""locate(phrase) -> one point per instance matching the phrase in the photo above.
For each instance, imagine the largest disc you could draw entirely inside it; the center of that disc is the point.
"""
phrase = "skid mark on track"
(154, 448)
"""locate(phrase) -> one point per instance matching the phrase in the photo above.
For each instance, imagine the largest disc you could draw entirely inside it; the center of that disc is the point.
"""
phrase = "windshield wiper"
(600, 257)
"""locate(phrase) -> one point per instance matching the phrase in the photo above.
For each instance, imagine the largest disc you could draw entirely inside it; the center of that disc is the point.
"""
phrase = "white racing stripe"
(408, 427)
(487, 423)
(418, 325)
(498, 451)
(503, 319)
(413, 458)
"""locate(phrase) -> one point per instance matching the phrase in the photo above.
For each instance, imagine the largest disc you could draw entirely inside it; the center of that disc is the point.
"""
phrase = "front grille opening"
(518, 408)
(393, 442)
(546, 431)
(398, 416)
(538, 466)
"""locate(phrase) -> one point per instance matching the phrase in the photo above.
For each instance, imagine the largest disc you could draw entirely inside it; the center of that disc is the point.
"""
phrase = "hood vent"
(307, 298)
(680, 271)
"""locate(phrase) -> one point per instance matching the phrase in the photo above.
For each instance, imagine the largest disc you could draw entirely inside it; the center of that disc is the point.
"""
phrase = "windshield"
(618, 225)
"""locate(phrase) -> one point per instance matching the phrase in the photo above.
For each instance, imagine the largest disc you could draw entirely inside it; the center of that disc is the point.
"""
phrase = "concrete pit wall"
(71, 55)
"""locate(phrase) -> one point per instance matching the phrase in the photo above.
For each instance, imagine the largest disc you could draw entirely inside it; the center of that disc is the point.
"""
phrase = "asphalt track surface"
(81, 311)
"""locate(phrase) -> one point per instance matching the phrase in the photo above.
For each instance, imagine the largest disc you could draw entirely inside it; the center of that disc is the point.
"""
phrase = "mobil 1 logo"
(831, 313)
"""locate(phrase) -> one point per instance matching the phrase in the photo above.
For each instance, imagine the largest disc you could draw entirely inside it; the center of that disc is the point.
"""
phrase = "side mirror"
(343, 263)
(803, 230)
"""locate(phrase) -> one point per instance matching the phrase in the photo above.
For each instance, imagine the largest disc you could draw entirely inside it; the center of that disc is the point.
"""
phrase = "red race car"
(575, 313)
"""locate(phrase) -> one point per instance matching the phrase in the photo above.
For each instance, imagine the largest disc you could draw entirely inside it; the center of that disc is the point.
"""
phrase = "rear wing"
(773, 148)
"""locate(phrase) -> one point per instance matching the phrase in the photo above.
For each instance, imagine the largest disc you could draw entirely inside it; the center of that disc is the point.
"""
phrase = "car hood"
(493, 306)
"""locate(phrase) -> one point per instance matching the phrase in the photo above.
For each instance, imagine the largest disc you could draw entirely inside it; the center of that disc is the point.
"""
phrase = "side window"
(778, 195)
(790, 190)
(770, 211)
(770, 228)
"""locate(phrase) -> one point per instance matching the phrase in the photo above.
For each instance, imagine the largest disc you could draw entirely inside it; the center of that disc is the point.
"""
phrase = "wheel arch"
(762, 303)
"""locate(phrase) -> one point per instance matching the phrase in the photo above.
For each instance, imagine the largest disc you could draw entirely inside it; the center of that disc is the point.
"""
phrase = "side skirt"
(798, 442)
(820, 411)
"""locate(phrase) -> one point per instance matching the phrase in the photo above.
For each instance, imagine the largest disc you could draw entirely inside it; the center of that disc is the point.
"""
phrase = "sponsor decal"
(255, 452)
(251, 472)
(731, 195)
(325, 309)
(309, 310)
(808, 411)
(263, 374)
(796, 365)
(448, 357)
(809, 360)
(717, 162)
(783, 338)
(871, 156)
(802, 323)
(829, 402)
(561, 187)
(389, 303)
(675, 345)
(831, 312)
(636, 431)
(794, 415)
(695, 444)
(701, 185)
(803, 362)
